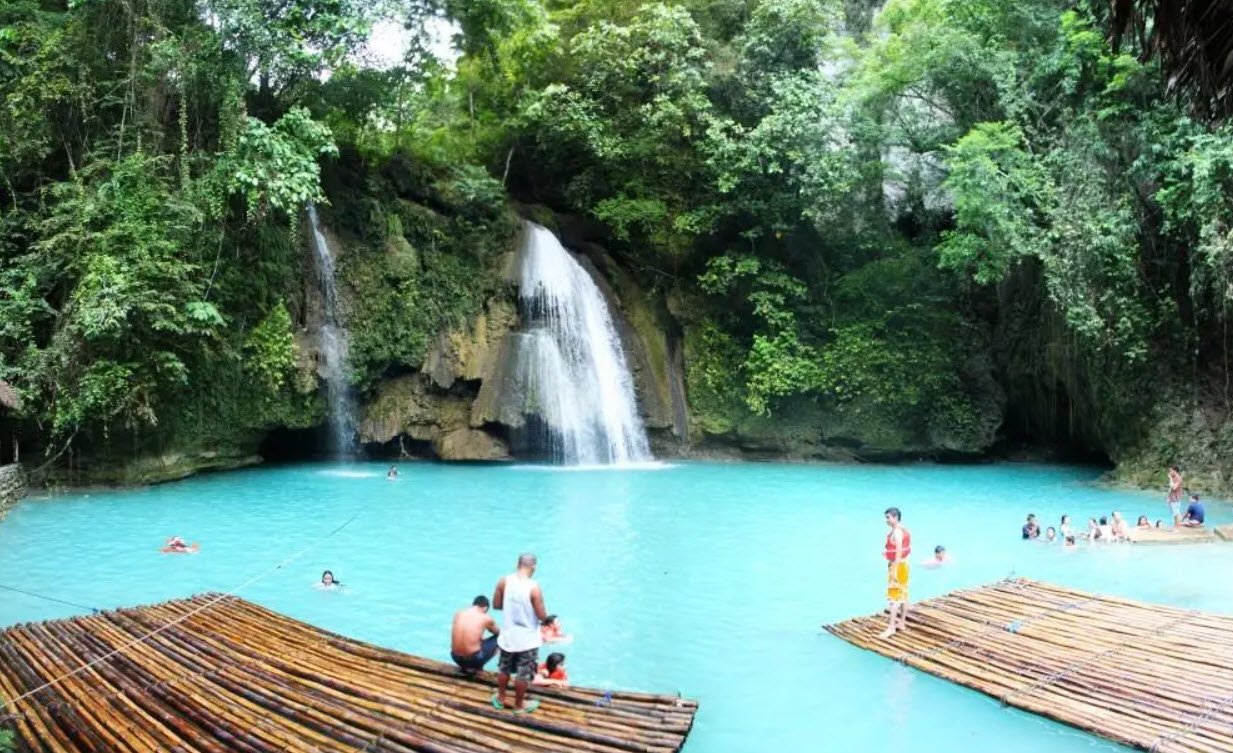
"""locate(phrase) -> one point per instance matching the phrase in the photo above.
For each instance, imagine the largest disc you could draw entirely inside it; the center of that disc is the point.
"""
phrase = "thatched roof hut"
(9, 399)
(1194, 41)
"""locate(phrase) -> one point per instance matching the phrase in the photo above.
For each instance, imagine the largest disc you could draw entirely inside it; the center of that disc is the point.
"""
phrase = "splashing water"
(333, 347)
(570, 364)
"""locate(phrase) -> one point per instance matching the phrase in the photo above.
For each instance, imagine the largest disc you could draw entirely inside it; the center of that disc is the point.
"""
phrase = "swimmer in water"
(939, 558)
(1143, 522)
(1093, 530)
(552, 672)
(550, 631)
(1050, 534)
(176, 544)
(327, 581)
(392, 473)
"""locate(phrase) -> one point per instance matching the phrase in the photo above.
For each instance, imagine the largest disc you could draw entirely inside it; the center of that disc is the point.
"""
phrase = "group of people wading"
(525, 627)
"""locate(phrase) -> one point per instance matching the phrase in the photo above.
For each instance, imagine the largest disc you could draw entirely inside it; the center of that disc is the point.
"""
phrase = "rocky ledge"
(12, 487)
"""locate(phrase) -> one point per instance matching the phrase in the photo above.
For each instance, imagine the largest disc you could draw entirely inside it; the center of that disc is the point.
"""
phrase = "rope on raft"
(181, 618)
(1210, 711)
(1013, 626)
(1094, 658)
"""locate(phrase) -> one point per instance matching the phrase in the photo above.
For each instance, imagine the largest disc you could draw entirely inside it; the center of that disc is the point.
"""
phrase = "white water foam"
(348, 474)
(646, 465)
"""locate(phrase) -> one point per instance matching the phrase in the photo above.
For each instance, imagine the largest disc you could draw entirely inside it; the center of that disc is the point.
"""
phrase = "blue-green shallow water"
(703, 578)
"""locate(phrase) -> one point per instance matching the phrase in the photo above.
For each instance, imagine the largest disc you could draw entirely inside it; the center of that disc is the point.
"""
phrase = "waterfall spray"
(570, 362)
(333, 347)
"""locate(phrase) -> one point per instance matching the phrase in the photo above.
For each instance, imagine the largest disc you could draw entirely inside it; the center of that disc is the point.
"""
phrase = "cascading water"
(570, 364)
(333, 347)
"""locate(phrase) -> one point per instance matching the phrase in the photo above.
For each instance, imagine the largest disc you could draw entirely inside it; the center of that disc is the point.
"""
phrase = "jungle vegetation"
(975, 218)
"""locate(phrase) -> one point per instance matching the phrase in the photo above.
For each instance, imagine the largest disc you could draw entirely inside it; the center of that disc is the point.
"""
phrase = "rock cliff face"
(12, 487)
(442, 405)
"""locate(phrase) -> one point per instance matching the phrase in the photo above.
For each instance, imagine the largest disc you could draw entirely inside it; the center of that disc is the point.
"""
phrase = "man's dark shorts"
(476, 661)
(521, 664)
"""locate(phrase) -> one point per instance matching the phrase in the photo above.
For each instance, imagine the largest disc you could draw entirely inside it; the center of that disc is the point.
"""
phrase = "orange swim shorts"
(897, 575)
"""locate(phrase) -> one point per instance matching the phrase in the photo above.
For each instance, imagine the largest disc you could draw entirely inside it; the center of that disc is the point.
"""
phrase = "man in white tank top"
(519, 598)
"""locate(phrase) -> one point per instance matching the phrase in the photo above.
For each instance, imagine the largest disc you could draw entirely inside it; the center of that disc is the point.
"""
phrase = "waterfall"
(570, 365)
(333, 347)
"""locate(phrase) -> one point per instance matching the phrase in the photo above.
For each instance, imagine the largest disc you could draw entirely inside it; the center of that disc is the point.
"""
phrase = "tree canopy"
(845, 202)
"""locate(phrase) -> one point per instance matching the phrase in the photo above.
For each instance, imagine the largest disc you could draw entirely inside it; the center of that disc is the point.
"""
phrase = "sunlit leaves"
(996, 188)
(275, 167)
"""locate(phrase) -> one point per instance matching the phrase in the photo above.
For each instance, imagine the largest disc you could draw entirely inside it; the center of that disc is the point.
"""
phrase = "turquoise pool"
(710, 579)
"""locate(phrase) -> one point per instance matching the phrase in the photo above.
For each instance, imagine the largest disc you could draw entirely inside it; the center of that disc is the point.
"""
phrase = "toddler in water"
(550, 631)
(939, 558)
(552, 672)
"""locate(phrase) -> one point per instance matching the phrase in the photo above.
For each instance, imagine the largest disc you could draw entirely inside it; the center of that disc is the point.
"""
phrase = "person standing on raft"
(522, 602)
(1175, 495)
(898, 549)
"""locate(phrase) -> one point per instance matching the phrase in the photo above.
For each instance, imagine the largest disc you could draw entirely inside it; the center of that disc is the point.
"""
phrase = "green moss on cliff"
(422, 245)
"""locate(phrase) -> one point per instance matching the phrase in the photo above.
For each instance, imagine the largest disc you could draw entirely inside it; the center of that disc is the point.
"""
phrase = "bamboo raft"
(234, 676)
(1155, 678)
(1181, 535)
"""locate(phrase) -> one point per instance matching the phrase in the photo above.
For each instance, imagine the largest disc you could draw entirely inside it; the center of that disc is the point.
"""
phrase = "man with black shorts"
(519, 597)
(469, 649)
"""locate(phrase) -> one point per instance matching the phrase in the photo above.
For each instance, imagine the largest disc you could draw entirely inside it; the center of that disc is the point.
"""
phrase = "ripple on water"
(708, 579)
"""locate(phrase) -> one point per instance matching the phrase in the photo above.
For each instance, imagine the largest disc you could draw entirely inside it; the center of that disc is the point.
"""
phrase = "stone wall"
(12, 486)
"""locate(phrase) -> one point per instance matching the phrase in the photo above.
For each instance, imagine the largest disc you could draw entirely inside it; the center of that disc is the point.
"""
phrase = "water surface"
(708, 579)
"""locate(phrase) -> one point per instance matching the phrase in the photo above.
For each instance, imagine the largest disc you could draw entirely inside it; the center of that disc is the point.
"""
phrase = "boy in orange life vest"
(898, 549)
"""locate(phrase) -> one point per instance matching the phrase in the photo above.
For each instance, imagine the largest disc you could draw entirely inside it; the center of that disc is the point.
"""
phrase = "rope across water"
(95, 610)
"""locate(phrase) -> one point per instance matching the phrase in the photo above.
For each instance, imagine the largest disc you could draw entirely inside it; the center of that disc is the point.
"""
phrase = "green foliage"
(283, 42)
(274, 168)
(1197, 199)
(713, 363)
(850, 205)
(418, 271)
(628, 111)
(778, 363)
(133, 314)
(995, 188)
(271, 349)
(149, 165)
